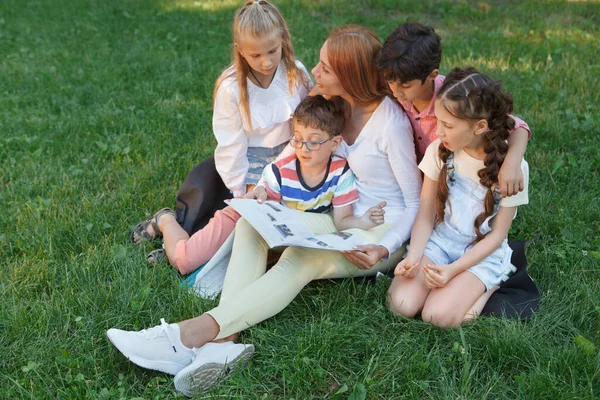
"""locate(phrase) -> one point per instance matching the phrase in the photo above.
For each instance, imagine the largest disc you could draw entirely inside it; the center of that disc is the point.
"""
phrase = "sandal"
(140, 233)
(158, 256)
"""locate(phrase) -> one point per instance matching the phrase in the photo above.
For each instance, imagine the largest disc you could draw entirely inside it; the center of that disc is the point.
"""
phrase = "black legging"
(200, 196)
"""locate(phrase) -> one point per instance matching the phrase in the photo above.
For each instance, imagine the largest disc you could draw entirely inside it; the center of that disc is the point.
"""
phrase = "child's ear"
(481, 126)
(237, 48)
(434, 74)
(336, 141)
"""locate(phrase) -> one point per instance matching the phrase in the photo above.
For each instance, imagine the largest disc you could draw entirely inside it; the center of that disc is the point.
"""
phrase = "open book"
(282, 226)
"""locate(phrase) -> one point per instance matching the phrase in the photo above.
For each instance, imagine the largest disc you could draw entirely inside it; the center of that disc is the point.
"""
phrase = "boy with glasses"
(311, 180)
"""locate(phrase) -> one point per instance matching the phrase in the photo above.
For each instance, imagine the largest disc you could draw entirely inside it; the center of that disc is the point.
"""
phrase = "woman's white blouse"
(384, 162)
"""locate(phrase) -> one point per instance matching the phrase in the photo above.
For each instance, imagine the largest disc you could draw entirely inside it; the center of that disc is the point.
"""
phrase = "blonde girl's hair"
(468, 94)
(351, 50)
(258, 19)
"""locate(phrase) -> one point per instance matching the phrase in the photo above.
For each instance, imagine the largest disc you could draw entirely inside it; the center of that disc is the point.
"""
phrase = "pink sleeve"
(519, 123)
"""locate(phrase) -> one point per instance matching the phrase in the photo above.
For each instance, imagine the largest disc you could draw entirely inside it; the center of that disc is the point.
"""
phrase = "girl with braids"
(458, 250)
(253, 101)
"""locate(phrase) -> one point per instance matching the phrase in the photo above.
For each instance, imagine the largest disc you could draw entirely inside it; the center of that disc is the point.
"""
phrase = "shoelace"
(161, 330)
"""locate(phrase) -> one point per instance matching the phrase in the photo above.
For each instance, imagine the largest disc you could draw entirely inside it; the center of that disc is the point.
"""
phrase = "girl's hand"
(438, 276)
(510, 178)
(408, 267)
(259, 194)
(373, 217)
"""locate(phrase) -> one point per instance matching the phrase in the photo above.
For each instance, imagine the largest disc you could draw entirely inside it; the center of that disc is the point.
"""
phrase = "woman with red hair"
(378, 144)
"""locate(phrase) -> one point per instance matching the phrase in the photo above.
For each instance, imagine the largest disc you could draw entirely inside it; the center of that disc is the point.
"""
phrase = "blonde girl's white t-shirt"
(464, 164)
(242, 152)
(384, 163)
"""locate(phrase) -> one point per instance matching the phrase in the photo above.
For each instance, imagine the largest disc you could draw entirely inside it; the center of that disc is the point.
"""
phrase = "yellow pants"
(251, 294)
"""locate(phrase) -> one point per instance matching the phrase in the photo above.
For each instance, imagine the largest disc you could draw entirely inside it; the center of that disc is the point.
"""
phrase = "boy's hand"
(373, 217)
(249, 195)
(258, 193)
(510, 178)
(408, 267)
(437, 276)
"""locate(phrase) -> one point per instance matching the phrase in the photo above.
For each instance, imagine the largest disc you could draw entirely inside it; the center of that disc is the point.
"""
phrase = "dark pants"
(200, 196)
(518, 297)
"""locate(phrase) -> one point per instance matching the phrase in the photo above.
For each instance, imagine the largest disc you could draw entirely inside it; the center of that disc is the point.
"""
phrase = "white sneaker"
(157, 348)
(214, 362)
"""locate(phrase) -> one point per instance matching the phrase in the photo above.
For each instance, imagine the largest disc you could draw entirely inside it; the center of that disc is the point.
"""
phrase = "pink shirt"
(424, 123)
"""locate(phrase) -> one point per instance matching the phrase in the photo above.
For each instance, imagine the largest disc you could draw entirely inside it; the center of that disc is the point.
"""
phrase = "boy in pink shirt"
(410, 61)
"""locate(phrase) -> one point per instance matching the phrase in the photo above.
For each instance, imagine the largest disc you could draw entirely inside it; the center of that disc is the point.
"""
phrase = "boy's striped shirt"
(284, 184)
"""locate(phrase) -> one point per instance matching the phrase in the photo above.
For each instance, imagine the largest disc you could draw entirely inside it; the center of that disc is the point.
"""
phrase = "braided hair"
(469, 94)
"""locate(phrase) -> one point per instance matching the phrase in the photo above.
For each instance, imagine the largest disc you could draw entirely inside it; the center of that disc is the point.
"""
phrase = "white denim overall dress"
(451, 238)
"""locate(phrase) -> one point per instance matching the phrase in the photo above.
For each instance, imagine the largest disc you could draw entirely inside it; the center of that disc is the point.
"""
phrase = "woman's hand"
(438, 276)
(365, 256)
(373, 217)
(258, 193)
(408, 267)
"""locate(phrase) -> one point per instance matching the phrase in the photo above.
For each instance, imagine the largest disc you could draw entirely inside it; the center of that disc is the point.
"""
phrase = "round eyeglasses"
(311, 146)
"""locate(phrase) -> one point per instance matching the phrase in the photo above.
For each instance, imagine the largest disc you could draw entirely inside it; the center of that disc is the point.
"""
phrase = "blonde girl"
(255, 96)
(253, 101)
(458, 251)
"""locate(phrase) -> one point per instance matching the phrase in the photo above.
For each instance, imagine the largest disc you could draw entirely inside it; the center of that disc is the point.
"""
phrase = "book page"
(281, 226)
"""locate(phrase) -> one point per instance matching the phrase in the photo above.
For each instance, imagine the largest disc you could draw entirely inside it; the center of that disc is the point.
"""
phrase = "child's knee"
(400, 304)
(229, 212)
(181, 265)
(180, 259)
(442, 315)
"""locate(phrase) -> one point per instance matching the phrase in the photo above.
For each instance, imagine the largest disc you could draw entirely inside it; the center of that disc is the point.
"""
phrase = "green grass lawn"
(106, 105)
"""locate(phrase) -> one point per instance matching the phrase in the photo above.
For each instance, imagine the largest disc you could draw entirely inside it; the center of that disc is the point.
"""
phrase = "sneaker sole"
(170, 368)
(203, 378)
